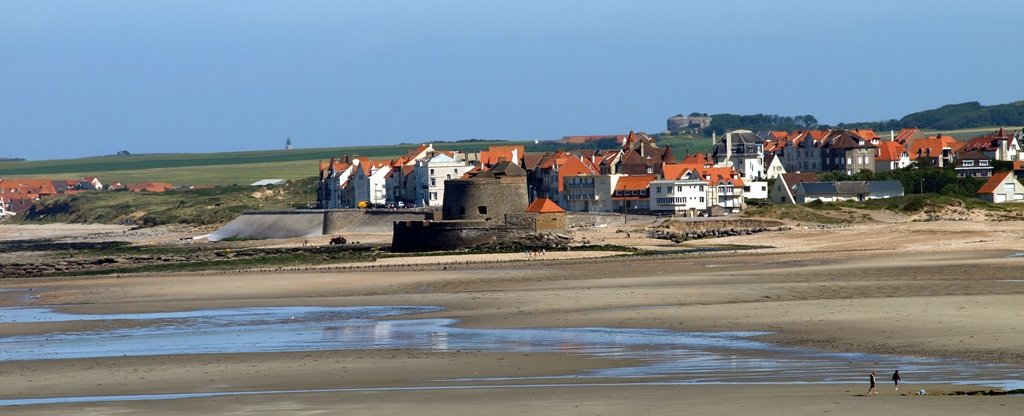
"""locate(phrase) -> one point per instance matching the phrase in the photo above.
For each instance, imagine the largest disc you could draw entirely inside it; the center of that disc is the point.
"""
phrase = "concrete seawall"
(266, 225)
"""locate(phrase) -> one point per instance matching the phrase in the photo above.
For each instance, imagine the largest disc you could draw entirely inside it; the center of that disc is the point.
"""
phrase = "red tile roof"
(544, 206)
(495, 154)
(889, 151)
(719, 176)
(906, 135)
(993, 183)
(931, 146)
(634, 183)
(867, 134)
(42, 187)
(573, 166)
(792, 179)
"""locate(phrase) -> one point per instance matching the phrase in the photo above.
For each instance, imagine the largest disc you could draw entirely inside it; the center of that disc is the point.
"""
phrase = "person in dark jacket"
(896, 379)
(873, 389)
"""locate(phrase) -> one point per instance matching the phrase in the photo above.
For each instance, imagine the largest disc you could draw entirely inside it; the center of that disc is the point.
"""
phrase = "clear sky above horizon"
(91, 78)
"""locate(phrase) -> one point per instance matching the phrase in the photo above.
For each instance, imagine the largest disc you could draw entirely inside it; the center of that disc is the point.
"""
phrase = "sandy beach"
(943, 289)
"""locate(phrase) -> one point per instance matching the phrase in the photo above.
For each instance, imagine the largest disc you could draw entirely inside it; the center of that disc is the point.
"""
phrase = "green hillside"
(967, 115)
(213, 168)
(197, 206)
(963, 116)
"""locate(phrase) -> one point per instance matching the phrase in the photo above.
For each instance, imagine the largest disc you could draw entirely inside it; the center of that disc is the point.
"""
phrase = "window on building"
(658, 189)
(968, 163)
(1008, 187)
(449, 176)
(431, 171)
(983, 163)
(482, 210)
(433, 182)
(433, 196)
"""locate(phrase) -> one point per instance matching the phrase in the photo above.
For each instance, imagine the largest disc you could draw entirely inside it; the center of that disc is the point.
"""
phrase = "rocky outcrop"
(679, 231)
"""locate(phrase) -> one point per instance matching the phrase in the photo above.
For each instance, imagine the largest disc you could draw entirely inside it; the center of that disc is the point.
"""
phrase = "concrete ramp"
(272, 225)
(268, 225)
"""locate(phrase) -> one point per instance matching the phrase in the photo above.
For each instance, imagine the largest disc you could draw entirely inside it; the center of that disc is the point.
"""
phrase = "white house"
(90, 183)
(331, 192)
(783, 191)
(741, 150)
(686, 196)
(847, 191)
(891, 156)
(755, 190)
(773, 166)
(1002, 187)
(368, 182)
(431, 174)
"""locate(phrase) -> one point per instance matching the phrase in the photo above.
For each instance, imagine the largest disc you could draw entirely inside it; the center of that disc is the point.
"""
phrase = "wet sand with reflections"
(923, 294)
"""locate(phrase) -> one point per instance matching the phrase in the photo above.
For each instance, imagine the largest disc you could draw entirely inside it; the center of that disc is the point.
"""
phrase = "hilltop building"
(692, 124)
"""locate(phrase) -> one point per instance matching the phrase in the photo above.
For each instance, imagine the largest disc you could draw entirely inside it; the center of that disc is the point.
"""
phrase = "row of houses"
(854, 150)
(641, 176)
(18, 194)
(799, 188)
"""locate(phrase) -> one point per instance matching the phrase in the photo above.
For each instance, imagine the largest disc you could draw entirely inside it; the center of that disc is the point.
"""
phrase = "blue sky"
(82, 78)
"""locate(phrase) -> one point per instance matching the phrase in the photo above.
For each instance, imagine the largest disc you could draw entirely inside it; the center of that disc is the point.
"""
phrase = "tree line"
(948, 117)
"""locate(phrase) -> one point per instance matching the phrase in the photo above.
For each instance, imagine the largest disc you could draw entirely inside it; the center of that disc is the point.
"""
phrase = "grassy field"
(685, 144)
(197, 207)
(967, 134)
(212, 168)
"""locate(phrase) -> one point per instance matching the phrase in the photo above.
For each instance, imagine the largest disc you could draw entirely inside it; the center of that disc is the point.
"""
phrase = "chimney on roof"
(728, 149)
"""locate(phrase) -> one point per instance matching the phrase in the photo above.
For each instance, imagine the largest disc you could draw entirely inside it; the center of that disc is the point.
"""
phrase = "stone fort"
(487, 209)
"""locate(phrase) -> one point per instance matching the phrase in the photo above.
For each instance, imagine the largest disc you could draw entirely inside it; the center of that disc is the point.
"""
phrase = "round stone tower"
(487, 196)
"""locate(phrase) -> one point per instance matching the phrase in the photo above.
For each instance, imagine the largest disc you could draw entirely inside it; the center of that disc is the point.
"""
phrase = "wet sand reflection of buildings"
(383, 335)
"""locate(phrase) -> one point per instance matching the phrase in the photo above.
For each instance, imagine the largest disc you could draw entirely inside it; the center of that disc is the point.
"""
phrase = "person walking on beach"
(896, 379)
(873, 389)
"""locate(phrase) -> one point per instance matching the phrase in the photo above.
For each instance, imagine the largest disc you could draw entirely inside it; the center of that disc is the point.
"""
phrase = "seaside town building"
(20, 194)
(589, 193)
(741, 150)
(973, 164)
(846, 151)
(999, 145)
(891, 155)
(431, 175)
(1002, 187)
(847, 191)
(784, 190)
